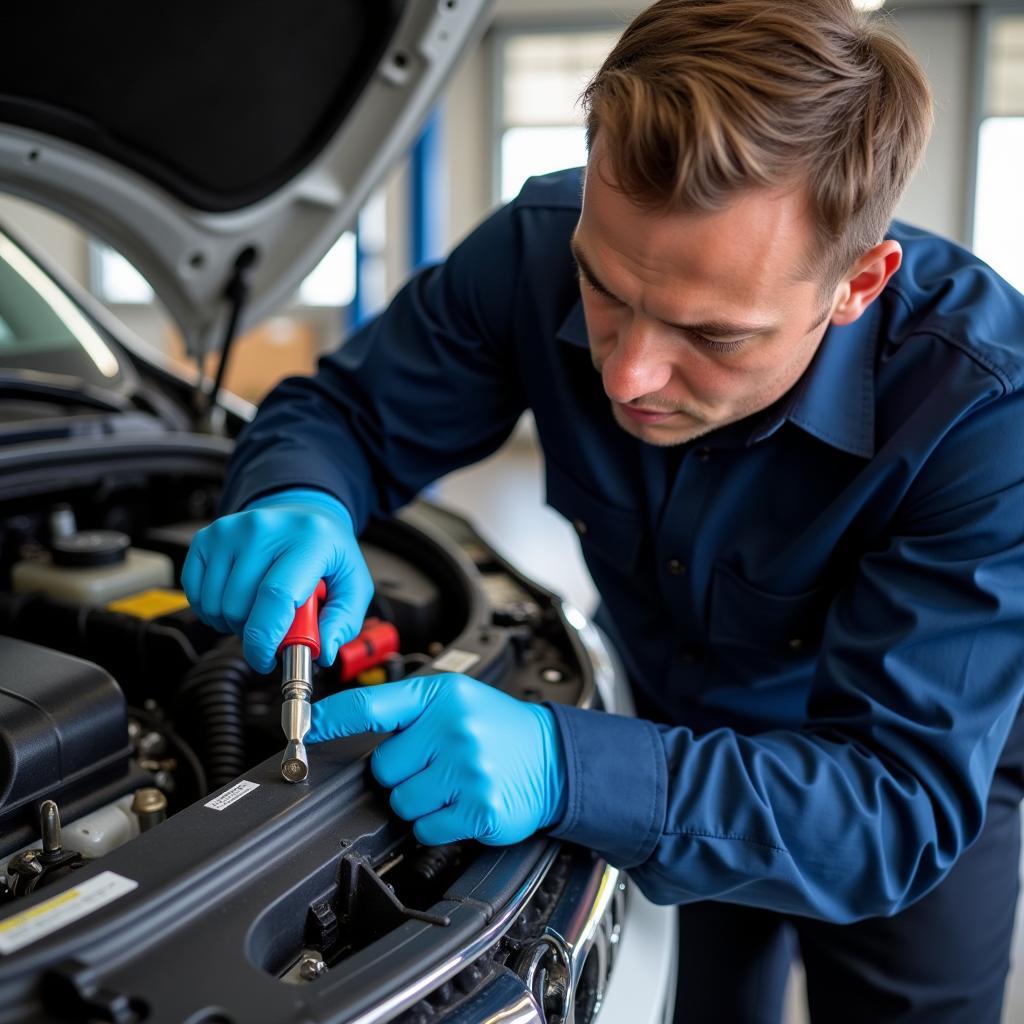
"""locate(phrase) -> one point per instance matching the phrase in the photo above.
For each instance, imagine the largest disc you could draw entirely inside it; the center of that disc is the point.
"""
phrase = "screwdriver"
(298, 650)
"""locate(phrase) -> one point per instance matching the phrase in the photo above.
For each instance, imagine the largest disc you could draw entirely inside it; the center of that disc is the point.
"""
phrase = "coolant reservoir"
(92, 568)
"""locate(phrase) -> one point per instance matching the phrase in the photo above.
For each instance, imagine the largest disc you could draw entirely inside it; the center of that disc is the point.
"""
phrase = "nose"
(637, 366)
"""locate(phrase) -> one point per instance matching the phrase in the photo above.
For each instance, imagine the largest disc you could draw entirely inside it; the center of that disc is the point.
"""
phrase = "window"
(998, 205)
(540, 124)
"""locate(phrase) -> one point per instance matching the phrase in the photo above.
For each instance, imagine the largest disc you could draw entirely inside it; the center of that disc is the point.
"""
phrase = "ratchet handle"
(305, 628)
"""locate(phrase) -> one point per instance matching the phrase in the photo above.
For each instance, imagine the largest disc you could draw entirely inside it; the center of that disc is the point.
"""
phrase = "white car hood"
(187, 135)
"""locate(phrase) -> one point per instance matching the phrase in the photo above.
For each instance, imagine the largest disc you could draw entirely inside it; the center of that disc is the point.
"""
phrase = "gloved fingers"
(401, 756)
(193, 570)
(447, 825)
(384, 708)
(285, 586)
(341, 619)
(240, 591)
(419, 796)
(219, 563)
(342, 614)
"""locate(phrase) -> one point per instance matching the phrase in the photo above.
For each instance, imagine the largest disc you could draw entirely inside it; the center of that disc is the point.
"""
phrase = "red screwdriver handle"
(305, 628)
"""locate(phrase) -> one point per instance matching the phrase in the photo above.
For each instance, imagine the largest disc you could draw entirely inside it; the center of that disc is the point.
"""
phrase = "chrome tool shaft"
(296, 690)
(299, 647)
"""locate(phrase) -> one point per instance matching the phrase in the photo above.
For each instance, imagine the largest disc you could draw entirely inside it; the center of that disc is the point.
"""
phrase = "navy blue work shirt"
(821, 607)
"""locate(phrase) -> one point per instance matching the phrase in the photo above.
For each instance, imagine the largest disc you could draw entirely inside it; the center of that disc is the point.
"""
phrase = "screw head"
(311, 968)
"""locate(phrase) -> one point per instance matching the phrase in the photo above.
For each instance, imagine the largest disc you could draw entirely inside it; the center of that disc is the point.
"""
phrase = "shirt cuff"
(616, 784)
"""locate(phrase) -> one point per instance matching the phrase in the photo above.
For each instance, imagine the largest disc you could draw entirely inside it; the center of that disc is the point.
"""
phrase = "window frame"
(500, 34)
(984, 15)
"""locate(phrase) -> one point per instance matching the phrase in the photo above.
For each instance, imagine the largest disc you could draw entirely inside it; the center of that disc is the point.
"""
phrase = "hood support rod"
(236, 292)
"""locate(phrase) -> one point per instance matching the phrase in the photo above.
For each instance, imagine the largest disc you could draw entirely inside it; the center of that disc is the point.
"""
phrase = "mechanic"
(788, 434)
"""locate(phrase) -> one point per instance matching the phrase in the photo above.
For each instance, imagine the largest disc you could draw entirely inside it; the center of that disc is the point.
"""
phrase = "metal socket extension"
(296, 689)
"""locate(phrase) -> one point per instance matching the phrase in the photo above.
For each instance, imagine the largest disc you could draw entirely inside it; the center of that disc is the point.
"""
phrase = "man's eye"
(722, 347)
(607, 296)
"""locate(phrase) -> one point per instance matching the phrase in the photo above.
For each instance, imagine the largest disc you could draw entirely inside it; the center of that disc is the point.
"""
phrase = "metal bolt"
(150, 805)
(49, 828)
(312, 967)
(151, 744)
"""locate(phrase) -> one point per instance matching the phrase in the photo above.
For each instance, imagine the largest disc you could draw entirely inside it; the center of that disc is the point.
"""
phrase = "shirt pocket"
(607, 532)
(743, 617)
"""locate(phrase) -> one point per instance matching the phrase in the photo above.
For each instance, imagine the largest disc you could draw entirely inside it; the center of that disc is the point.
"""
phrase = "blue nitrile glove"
(248, 572)
(466, 761)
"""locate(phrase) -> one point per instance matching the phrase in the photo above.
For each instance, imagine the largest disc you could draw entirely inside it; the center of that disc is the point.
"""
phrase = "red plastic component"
(377, 640)
(305, 627)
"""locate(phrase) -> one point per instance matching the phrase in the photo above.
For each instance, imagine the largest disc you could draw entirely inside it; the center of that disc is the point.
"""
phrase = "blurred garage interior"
(511, 111)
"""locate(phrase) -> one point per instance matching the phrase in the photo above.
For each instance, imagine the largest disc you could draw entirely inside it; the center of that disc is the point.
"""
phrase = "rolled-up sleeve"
(867, 806)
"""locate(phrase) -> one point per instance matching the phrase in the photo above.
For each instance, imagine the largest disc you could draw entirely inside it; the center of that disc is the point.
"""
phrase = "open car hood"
(193, 137)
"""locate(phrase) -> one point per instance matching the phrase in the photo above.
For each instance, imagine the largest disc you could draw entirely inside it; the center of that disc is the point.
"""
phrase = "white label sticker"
(53, 914)
(229, 796)
(455, 660)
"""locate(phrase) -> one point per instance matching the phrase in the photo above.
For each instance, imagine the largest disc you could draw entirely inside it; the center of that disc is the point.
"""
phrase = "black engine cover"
(63, 735)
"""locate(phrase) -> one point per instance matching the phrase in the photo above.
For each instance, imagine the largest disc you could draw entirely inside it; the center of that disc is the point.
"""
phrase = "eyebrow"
(714, 328)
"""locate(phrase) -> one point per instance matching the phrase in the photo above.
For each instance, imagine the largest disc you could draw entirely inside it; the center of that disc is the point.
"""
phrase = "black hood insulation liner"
(220, 104)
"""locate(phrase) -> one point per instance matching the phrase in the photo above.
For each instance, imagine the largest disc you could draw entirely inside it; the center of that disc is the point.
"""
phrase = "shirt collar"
(574, 327)
(833, 401)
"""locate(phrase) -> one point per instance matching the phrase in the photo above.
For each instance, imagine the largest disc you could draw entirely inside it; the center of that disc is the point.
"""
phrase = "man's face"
(695, 320)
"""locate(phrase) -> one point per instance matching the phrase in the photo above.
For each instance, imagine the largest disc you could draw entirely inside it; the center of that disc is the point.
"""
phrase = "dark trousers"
(943, 960)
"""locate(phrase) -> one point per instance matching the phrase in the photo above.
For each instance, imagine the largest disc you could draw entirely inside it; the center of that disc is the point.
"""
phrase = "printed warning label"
(232, 795)
(455, 660)
(51, 915)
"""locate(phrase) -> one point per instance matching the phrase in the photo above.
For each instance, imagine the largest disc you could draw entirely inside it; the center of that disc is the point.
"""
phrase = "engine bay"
(132, 735)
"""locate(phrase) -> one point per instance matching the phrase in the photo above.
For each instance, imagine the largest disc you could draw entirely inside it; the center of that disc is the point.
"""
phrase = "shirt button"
(675, 567)
(703, 454)
(580, 527)
(796, 645)
(689, 655)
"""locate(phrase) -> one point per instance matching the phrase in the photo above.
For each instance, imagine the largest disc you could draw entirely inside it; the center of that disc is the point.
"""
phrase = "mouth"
(646, 416)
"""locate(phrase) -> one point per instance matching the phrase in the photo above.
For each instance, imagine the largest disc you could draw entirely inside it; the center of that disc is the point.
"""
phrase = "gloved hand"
(466, 761)
(248, 572)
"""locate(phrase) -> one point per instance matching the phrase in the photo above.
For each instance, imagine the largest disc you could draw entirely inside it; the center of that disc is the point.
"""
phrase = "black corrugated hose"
(210, 707)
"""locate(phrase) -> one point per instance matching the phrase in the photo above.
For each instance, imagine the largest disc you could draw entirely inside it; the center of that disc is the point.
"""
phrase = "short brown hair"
(702, 99)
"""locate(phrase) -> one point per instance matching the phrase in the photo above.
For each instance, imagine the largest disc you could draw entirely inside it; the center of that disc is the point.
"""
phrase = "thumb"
(341, 618)
(389, 707)
(349, 591)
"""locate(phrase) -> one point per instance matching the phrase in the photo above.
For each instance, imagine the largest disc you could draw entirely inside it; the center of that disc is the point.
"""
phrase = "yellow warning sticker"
(44, 918)
(150, 604)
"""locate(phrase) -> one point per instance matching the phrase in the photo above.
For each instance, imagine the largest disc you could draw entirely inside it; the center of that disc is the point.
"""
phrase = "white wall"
(944, 43)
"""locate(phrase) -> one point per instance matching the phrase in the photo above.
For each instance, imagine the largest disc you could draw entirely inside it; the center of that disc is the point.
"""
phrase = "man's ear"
(864, 283)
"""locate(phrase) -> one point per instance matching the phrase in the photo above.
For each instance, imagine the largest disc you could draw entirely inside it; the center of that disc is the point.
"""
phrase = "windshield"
(41, 327)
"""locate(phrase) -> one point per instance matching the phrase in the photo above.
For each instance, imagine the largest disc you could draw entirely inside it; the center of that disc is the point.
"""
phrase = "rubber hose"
(211, 705)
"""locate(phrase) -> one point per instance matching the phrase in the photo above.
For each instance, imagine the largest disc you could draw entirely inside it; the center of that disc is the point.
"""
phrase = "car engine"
(124, 720)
